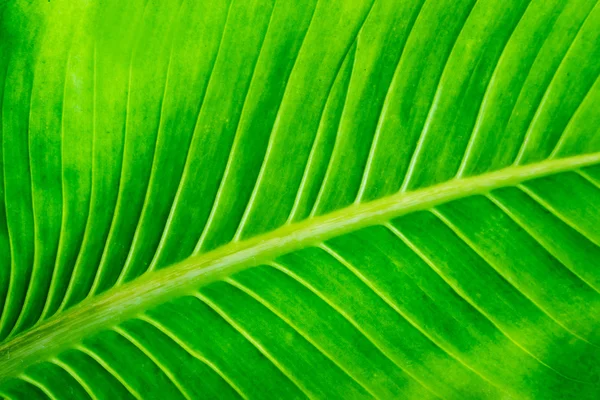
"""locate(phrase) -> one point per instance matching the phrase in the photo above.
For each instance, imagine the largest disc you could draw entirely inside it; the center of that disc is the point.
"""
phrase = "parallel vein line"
(526, 79)
(483, 104)
(383, 111)
(477, 251)
(349, 57)
(33, 269)
(315, 208)
(118, 204)
(413, 247)
(423, 290)
(119, 182)
(152, 178)
(236, 139)
(563, 137)
(588, 178)
(108, 369)
(272, 135)
(194, 353)
(76, 267)
(354, 49)
(464, 295)
(254, 342)
(11, 245)
(456, 289)
(540, 200)
(39, 385)
(122, 272)
(69, 370)
(11, 284)
(392, 305)
(273, 131)
(544, 98)
(506, 209)
(184, 173)
(52, 286)
(304, 335)
(432, 108)
(156, 362)
(356, 325)
(100, 267)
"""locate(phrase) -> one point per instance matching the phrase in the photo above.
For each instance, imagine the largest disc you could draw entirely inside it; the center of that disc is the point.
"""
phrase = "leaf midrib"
(123, 302)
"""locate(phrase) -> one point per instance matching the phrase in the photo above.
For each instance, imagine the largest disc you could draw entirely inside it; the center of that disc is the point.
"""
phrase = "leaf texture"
(312, 199)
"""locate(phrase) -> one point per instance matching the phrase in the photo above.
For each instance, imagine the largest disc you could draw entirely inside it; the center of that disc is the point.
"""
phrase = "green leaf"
(292, 199)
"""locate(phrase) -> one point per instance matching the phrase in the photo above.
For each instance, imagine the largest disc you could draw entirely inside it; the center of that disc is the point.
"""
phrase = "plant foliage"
(335, 199)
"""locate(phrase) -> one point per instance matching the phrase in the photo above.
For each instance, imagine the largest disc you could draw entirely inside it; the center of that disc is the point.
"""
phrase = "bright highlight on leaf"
(334, 199)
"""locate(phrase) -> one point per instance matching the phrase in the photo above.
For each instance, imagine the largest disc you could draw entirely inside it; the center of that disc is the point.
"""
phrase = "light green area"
(289, 199)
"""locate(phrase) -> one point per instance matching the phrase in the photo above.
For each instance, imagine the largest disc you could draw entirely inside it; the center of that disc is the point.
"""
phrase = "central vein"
(125, 301)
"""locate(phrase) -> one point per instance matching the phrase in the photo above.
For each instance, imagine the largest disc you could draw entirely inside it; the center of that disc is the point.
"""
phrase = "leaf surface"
(276, 199)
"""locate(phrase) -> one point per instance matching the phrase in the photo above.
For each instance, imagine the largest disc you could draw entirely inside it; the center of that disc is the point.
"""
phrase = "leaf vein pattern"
(288, 272)
(588, 177)
(471, 302)
(304, 335)
(544, 98)
(432, 108)
(301, 189)
(69, 370)
(237, 134)
(127, 265)
(3, 198)
(194, 353)
(39, 385)
(391, 304)
(506, 209)
(102, 264)
(148, 354)
(578, 109)
(253, 341)
(182, 178)
(51, 288)
(109, 369)
(6, 325)
(483, 104)
(383, 112)
(256, 188)
(542, 202)
(478, 251)
(77, 265)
